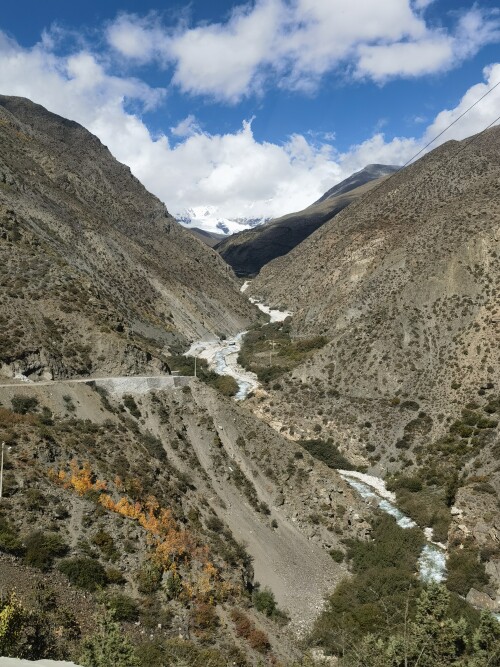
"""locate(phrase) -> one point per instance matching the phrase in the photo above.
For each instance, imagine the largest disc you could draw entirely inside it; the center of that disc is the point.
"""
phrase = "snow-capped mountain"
(208, 219)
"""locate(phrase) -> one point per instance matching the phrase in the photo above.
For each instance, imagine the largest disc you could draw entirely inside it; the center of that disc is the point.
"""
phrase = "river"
(432, 561)
(222, 355)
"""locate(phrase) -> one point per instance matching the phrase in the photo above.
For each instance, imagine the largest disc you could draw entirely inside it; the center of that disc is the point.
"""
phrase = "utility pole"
(273, 343)
(195, 367)
(1, 470)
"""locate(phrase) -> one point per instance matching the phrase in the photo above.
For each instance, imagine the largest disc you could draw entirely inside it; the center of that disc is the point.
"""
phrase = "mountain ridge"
(108, 245)
(248, 251)
(404, 288)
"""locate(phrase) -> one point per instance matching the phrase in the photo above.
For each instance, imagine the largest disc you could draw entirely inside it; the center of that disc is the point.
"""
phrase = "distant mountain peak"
(249, 251)
(210, 220)
(368, 173)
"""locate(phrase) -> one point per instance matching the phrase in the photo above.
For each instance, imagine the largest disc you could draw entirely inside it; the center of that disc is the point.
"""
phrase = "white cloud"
(293, 43)
(422, 4)
(476, 119)
(233, 172)
(228, 58)
(138, 38)
(186, 127)
(407, 59)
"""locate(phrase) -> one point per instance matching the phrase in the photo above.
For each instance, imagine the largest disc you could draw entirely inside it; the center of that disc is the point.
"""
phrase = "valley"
(300, 469)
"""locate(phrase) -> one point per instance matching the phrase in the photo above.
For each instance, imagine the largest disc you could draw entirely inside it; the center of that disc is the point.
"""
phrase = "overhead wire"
(363, 200)
(464, 113)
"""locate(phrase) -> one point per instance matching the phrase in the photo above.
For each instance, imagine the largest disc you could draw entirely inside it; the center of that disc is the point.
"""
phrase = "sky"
(256, 109)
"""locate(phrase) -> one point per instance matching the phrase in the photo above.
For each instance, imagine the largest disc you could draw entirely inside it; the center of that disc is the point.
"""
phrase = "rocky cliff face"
(248, 251)
(95, 275)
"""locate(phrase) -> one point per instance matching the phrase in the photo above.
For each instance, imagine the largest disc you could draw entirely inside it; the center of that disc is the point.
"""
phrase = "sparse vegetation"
(41, 548)
(327, 452)
(256, 350)
(85, 573)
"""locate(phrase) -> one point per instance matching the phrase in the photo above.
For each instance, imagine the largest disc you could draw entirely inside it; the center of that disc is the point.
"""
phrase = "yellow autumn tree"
(13, 618)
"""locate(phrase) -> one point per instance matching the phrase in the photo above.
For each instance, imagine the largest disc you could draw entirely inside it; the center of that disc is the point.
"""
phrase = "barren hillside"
(180, 483)
(404, 285)
(404, 288)
(95, 275)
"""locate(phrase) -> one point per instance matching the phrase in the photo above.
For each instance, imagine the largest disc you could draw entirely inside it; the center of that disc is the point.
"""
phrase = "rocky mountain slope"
(404, 287)
(95, 275)
(163, 523)
(206, 533)
(157, 493)
(247, 252)
(371, 172)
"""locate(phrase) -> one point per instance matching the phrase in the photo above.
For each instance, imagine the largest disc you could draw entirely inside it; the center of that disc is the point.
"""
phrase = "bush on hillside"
(465, 571)
(24, 404)
(264, 601)
(123, 607)
(85, 573)
(10, 539)
(226, 384)
(42, 548)
(328, 452)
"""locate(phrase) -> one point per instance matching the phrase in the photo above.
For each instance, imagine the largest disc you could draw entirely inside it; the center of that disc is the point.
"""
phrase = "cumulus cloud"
(233, 172)
(293, 43)
(186, 127)
(141, 39)
(422, 4)
(476, 119)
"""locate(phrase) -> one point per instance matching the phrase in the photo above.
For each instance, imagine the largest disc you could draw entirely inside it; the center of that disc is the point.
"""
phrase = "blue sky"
(255, 109)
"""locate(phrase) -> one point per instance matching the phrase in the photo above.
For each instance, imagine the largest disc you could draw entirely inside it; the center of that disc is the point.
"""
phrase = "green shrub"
(173, 586)
(484, 487)
(115, 576)
(10, 540)
(327, 452)
(106, 545)
(42, 548)
(412, 484)
(35, 500)
(131, 405)
(465, 571)
(264, 601)
(108, 647)
(149, 577)
(154, 446)
(24, 404)
(85, 573)
(215, 524)
(390, 547)
(124, 607)
(337, 555)
(267, 374)
(226, 384)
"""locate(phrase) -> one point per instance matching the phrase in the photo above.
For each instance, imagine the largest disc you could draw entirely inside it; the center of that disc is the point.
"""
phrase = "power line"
(451, 125)
(363, 200)
(395, 173)
(371, 192)
(471, 140)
